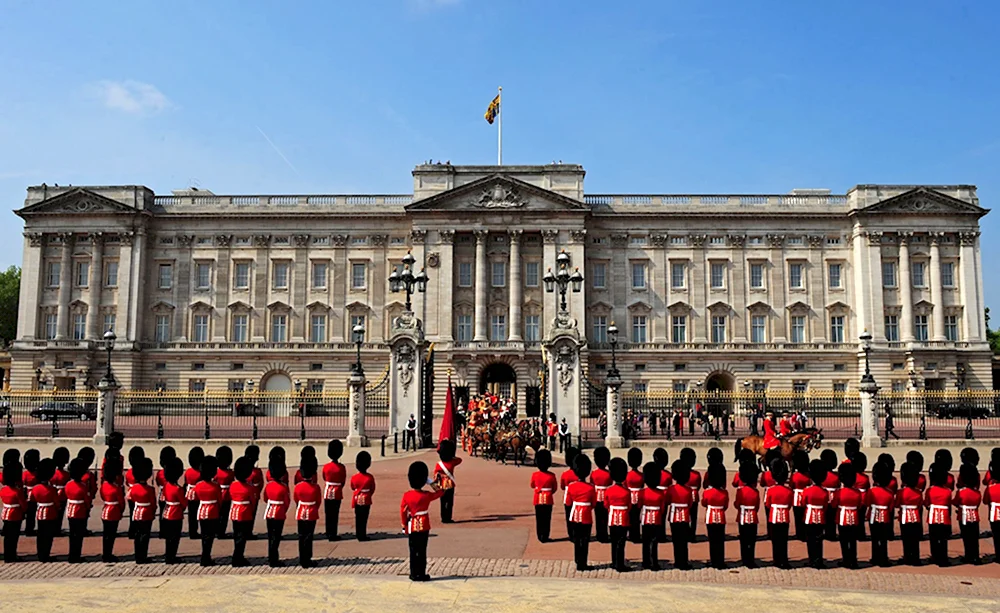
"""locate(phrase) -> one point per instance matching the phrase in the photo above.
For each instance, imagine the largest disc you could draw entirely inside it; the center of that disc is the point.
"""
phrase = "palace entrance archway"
(500, 379)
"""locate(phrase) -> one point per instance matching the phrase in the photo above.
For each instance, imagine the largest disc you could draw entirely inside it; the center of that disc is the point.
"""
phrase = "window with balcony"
(51, 326)
(241, 275)
(79, 326)
(951, 327)
(280, 275)
(837, 329)
(498, 328)
(638, 328)
(920, 327)
(718, 328)
(600, 329)
(241, 328)
(678, 325)
(600, 272)
(465, 274)
(357, 320)
(109, 322)
(317, 328)
(798, 329)
(279, 327)
(892, 328)
(162, 328)
(758, 329)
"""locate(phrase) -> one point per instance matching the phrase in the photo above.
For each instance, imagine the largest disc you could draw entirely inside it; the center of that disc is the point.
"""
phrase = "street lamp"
(109, 345)
(359, 335)
(302, 409)
(562, 278)
(406, 281)
(38, 377)
(867, 380)
(613, 339)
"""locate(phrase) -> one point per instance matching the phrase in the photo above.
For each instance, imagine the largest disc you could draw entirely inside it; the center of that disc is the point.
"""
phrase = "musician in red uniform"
(15, 505)
(543, 483)
(60, 457)
(191, 476)
(967, 500)
(815, 498)
(847, 503)
(679, 514)
(582, 498)
(78, 503)
(334, 478)
(208, 494)
(778, 501)
(601, 479)
(909, 502)
(617, 501)
(715, 499)
(991, 498)
(224, 478)
(276, 501)
(634, 482)
(879, 503)
(46, 499)
(174, 501)
(307, 497)
(444, 473)
(256, 480)
(861, 483)
(938, 501)
(363, 486)
(694, 484)
(652, 508)
(160, 480)
(29, 479)
(113, 497)
(241, 496)
(662, 460)
(747, 505)
(414, 516)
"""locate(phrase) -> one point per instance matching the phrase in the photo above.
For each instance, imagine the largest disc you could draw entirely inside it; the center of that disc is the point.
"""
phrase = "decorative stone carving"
(224, 240)
(66, 238)
(777, 241)
(816, 241)
(339, 240)
(356, 401)
(565, 361)
(301, 240)
(904, 237)
(433, 259)
(447, 237)
(35, 239)
(619, 240)
(935, 237)
(404, 364)
(577, 236)
(737, 240)
(380, 240)
(126, 238)
(698, 240)
(406, 320)
(968, 239)
(481, 235)
(500, 196)
(874, 238)
(658, 240)
(515, 235)
(418, 236)
(549, 237)
(563, 321)
(185, 240)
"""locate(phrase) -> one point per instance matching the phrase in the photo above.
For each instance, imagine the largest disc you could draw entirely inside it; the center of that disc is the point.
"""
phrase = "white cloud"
(132, 97)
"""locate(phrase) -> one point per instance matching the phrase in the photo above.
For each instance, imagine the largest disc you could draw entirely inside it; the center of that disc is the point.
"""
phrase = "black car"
(51, 411)
(949, 410)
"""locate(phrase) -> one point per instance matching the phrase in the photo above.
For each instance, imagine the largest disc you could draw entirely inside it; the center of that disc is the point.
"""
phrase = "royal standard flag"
(493, 110)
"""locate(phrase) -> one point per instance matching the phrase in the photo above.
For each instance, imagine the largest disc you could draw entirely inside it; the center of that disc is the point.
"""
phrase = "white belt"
(779, 506)
(714, 508)
(635, 489)
(939, 506)
(617, 508)
(274, 503)
(545, 489)
(241, 502)
(364, 491)
(45, 504)
(144, 504)
(649, 508)
(581, 504)
(994, 506)
(59, 487)
(306, 504)
(418, 513)
(815, 507)
(335, 484)
(11, 506)
(113, 503)
(675, 505)
(75, 501)
(173, 504)
(204, 502)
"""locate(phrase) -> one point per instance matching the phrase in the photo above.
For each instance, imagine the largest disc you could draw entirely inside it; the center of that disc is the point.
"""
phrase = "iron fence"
(48, 413)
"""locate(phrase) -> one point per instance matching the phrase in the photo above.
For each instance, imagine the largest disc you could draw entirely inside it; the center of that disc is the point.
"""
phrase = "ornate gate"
(427, 401)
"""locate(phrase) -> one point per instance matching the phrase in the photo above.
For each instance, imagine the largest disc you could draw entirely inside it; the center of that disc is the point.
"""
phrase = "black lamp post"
(302, 409)
(562, 278)
(406, 280)
(38, 378)
(867, 380)
(613, 374)
(109, 345)
(359, 336)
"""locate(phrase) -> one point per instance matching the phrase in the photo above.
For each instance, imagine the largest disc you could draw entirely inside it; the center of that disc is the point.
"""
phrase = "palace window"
(718, 275)
(917, 268)
(463, 330)
(600, 272)
(200, 329)
(951, 327)
(465, 274)
(531, 274)
(109, 321)
(356, 320)
(837, 329)
(638, 275)
(79, 326)
(279, 327)
(498, 328)
(798, 329)
(319, 275)
(53, 272)
(111, 273)
(241, 328)
(795, 276)
(948, 274)
(51, 326)
(717, 240)
(241, 275)
(757, 276)
(162, 328)
(638, 328)
(531, 328)
(280, 276)
(800, 387)
(317, 329)
(758, 329)
(888, 274)
(358, 275)
(677, 275)
(892, 328)
(82, 274)
(679, 328)
(600, 329)
(203, 275)
(196, 386)
(499, 276)
(718, 328)
(834, 275)
(166, 276)
(920, 327)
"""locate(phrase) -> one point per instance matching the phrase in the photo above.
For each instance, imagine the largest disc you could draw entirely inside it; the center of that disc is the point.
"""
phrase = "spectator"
(410, 434)
(564, 435)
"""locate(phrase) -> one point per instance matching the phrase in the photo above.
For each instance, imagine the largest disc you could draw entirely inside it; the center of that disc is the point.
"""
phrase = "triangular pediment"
(923, 201)
(357, 306)
(316, 305)
(799, 306)
(239, 305)
(279, 306)
(162, 305)
(77, 201)
(838, 305)
(760, 305)
(498, 192)
(602, 306)
(639, 305)
(200, 305)
(719, 305)
(395, 304)
(680, 305)
(923, 305)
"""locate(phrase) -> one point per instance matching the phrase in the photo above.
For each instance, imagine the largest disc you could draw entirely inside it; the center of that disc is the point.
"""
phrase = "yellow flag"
(493, 110)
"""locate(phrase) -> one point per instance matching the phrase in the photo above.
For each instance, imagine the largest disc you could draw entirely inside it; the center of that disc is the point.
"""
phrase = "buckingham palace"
(215, 292)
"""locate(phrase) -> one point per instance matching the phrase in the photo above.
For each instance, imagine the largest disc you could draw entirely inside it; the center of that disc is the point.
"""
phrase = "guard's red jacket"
(879, 502)
(363, 486)
(175, 501)
(618, 501)
(113, 496)
(848, 502)
(277, 500)
(653, 503)
(967, 501)
(778, 503)
(716, 501)
(582, 498)
(909, 502)
(15, 503)
(567, 477)
(144, 497)
(77, 500)
(334, 479)
(47, 499)
(815, 499)
(447, 472)
(307, 496)
(242, 496)
(634, 482)
(224, 478)
(991, 497)
(938, 501)
(747, 504)
(694, 483)
(602, 481)
(679, 499)
(414, 510)
(209, 495)
(543, 483)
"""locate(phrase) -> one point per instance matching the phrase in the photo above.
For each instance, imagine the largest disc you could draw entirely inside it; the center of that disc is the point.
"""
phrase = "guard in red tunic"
(778, 505)
(635, 483)
(715, 499)
(565, 478)
(276, 501)
(88, 455)
(582, 498)
(174, 501)
(601, 479)
(10, 456)
(15, 505)
(29, 479)
(135, 455)
(60, 457)
(816, 501)
(799, 480)
(143, 495)
(543, 484)
(617, 501)
(363, 486)
(208, 494)
(879, 504)
(861, 483)
(847, 503)
(945, 461)
(191, 476)
(224, 477)
(991, 498)
(167, 454)
(694, 484)
(277, 454)
(916, 458)
(334, 479)
(307, 452)
(991, 475)
(241, 497)
(415, 518)
(78, 503)
(662, 460)
(938, 501)
(307, 496)
(653, 507)
(113, 497)
(679, 514)
(444, 475)
(967, 500)
(969, 455)
(785, 425)
(256, 480)
(747, 505)
(831, 484)
(909, 502)
(46, 499)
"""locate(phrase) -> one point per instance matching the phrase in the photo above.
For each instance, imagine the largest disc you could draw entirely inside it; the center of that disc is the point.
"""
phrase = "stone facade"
(209, 292)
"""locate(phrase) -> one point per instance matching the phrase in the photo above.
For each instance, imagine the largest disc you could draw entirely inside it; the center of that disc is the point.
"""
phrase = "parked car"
(948, 410)
(51, 411)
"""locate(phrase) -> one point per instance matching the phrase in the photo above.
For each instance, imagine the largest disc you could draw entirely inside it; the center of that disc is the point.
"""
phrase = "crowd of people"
(489, 408)
(825, 500)
(696, 419)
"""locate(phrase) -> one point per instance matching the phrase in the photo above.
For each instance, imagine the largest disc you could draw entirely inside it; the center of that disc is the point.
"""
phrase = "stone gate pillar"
(406, 371)
(869, 416)
(356, 411)
(614, 438)
(564, 371)
(105, 425)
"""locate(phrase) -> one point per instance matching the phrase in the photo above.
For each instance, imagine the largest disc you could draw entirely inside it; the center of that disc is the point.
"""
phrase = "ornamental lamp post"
(562, 279)
(406, 280)
(613, 374)
(109, 345)
(867, 380)
(359, 336)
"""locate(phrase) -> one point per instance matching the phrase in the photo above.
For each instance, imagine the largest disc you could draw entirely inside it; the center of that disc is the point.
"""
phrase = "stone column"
(777, 289)
(869, 416)
(137, 284)
(937, 295)
(105, 410)
(481, 278)
(338, 281)
(698, 285)
(298, 292)
(356, 411)
(971, 310)
(32, 282)
(65, 286)
(444, 281)
(182, 289)
(614, 438)
(904, 288)
(564, 381)
(516, 290)
(94, 323)
(123, 286)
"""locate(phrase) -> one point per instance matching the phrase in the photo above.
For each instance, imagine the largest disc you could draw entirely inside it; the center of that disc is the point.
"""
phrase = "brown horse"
(807, 440)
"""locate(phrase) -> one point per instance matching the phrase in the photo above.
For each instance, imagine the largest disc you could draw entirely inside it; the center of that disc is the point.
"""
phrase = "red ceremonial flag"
(448, 421)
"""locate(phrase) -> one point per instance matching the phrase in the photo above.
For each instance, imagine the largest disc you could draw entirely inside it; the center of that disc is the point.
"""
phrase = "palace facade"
(211, 292)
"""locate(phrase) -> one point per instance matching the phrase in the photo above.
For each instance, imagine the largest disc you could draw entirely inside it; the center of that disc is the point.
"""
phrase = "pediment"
(201, 305)
(601, 306)
(680, 305)
(316, 305)
(531, 303)
(760, 305)
(923, 304)
(838, 305)
(239, 305)
(497, 193)
(799, 306)
(395, 304)
(162, 305)
(719, 305)
(278, 305)
(77, 305)
(357, 306)
(77, 201)
(923, 201)
(639, 305)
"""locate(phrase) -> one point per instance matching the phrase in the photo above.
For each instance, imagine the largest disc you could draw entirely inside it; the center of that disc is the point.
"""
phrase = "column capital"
(776, 241)
(185, 240)
(550, 237)
(698, 240)
(339, 240)
(904, 238)
(66, 238)
(481, 235)
(737, 240)
(446, 237)
(935, 238)
(515, 234)
(127, 237)
(968, 239)
(874, 238)
(418, 236)
(35, 239)
(619, 240)
(577, 236)
(301, 240)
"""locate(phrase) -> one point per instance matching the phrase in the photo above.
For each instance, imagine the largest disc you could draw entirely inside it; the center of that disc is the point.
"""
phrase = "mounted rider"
(771, 439)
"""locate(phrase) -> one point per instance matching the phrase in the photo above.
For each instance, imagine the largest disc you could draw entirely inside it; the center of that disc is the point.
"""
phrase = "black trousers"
(995, 528)
(849, 546)
(242, 530)
(800, 523)
(208, 530)
(569, 532)
(939, 535)
(223, 521)
(634, 526)
(601, 522)
(11, 534)
(650, 546)
(131, 524)
(814, 544)
(170, 532)
(77, 530)
(880, 544)
(912, 534)
(46, 533)
(970, 538)
(447, 505)
(543, 522)
(108, 539)
(29, 519)
(193, 520)
(409, 438)
(580, 535)
(831, 523)
(361, 521)
(779, 543)
(274, 529)
(552, 443)
(694, 521)
(418, 554)
(748, 544)
(716, 544)
(306, 530)
(140, 534)
(680, 534)
(618, 536)
(331, 508)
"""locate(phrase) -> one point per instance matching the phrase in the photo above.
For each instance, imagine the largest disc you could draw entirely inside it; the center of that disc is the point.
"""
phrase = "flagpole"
(500, 127)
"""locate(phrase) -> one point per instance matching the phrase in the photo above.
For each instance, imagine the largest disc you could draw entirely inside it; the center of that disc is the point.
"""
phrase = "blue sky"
(345, 97)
